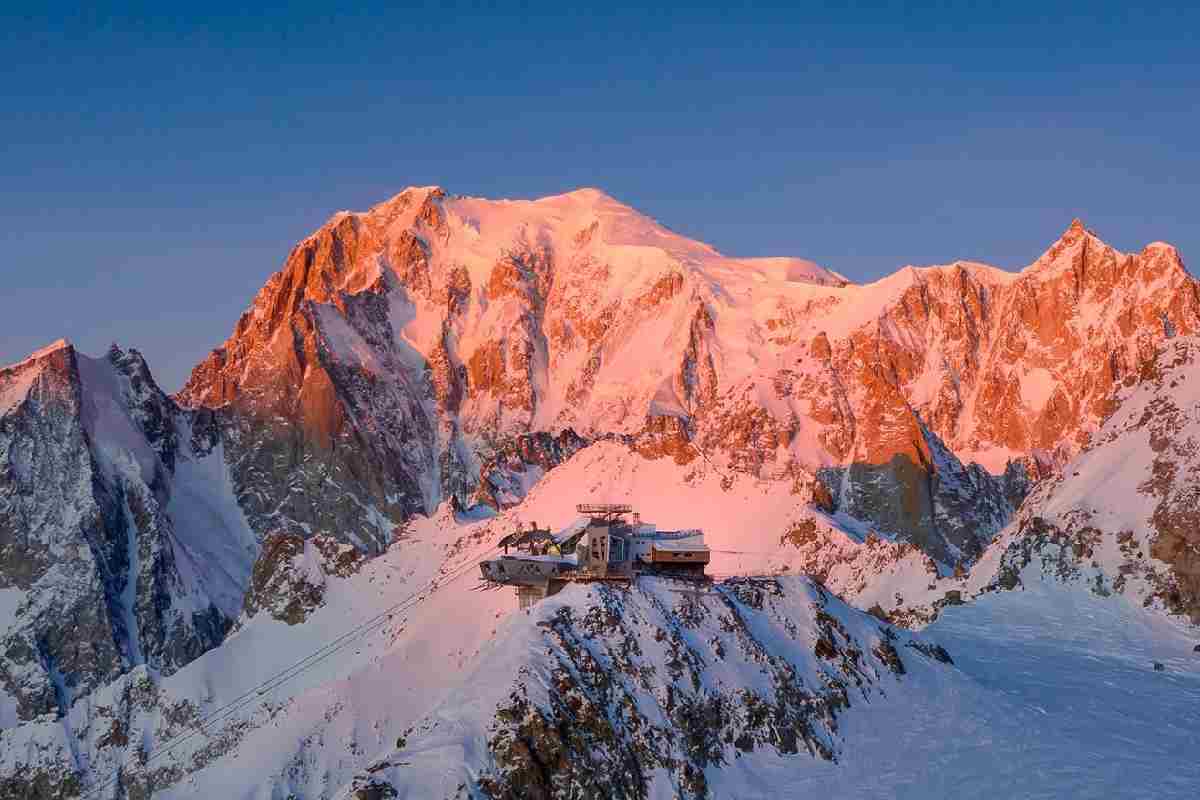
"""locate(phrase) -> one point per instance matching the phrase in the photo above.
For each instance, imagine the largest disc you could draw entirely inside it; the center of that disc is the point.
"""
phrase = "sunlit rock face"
(425, 349)
(1119, 519)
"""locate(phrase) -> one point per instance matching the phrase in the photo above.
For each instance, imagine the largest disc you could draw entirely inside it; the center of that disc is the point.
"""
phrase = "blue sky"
(156, 167)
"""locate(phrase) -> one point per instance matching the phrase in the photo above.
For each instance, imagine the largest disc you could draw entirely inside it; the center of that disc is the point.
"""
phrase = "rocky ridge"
(399, 347)
(96, 576)
(1120, 518)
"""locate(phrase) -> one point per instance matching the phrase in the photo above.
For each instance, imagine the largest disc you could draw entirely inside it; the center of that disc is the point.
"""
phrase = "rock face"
(970, 363)
(1121, 517)
(442, 347)
(95, 575)
(948, 509)
(289, 578)
(508, 473)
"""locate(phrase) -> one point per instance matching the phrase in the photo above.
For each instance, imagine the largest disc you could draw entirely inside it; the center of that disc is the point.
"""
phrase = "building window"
(616, 551)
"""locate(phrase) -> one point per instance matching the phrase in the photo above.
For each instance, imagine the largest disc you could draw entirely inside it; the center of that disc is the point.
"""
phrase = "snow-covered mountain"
(402, 350)
(120, 539)
(399, 349)
(939, 448)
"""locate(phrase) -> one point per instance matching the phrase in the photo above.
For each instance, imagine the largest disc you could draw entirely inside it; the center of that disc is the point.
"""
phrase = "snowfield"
(1080, 710)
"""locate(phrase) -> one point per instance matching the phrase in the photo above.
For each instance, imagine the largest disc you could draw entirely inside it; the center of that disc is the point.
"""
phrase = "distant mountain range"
(421, 377)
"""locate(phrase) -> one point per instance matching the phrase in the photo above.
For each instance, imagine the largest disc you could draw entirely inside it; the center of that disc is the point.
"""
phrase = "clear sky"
(156, 166)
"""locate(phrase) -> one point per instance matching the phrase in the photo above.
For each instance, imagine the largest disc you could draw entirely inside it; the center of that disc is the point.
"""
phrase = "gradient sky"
(156, 167)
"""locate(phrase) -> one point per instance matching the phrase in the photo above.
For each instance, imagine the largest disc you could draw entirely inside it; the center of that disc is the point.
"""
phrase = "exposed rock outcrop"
(290, 575)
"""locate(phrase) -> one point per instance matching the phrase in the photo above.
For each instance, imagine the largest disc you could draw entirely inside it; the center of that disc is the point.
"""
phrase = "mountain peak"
(420, 191)
(39, 354)
(53, 347)
(403, 198)
(1078, 240)
(1077, 231)
(17, 379)
(1064, 249)
(589, 193)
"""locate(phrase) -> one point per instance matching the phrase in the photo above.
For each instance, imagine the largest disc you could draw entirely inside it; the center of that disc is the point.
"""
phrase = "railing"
(668, 535)
(603, 509)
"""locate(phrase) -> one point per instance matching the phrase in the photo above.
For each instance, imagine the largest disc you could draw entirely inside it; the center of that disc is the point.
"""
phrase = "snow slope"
(1091, 715)
(658, 694)
(213, 543)
(307, 732)
(1052, 693)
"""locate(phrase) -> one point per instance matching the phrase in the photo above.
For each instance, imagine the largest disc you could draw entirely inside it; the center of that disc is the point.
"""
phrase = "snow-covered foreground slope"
(1079, 709)
(270, 711)
(359, 700)
(651, 691)
(1052, 694)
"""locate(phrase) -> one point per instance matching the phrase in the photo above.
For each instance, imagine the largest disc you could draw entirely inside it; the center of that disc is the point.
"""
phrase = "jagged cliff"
(402, 348)
(1122, 517)
(97, 573)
